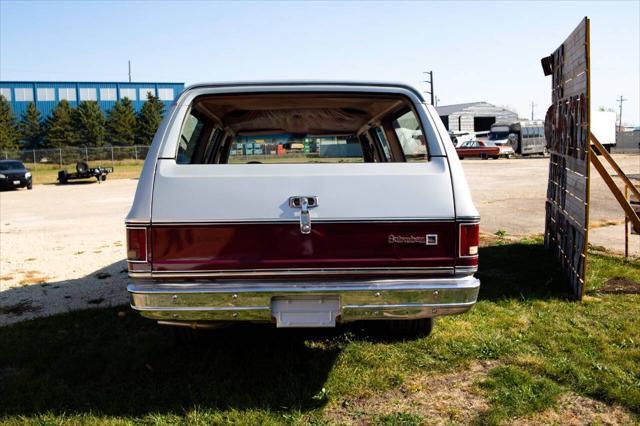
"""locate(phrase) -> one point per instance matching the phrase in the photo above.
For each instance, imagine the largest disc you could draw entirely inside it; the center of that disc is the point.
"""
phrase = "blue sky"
(477, 50)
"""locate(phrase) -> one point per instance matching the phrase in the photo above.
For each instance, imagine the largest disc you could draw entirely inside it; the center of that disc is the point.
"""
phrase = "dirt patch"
(455, 398)
(620, 285)
(20, 308)
(573, 409)
(32, 277)
(443, 399)
(602, 223)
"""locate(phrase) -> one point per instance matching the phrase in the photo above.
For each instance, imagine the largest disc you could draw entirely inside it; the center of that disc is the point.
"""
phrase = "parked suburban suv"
(13, 174)
(303, 205)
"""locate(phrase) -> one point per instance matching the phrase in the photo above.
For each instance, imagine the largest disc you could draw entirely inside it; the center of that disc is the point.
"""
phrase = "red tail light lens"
(137, 244)
(469, 239)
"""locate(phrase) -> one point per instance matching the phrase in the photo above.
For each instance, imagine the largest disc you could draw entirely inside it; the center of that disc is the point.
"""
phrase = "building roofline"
(86, 82)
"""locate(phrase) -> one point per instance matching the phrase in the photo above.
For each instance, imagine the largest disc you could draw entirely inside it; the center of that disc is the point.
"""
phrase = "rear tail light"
(469, 239)
(137, 249)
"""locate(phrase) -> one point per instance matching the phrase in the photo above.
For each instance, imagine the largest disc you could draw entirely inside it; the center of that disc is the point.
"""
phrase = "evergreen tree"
(60, 131)
(89, 123)
(31, 127)
(9, 134)
(121, 123)
(149, 120)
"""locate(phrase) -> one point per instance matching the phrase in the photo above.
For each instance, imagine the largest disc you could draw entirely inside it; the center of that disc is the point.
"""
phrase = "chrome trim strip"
(467, 270)
(300, 271)
(296, 220)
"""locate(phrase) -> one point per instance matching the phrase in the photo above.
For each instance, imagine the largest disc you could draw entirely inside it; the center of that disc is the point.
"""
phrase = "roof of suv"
(390, 85)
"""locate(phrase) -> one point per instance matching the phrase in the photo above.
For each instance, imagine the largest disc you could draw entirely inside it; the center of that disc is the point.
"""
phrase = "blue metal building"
(47, 94)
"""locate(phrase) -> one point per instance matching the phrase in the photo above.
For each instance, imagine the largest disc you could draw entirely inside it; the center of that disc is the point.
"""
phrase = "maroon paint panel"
(282, 246)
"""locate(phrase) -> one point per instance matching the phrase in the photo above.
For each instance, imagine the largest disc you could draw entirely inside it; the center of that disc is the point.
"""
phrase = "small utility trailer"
(83, 171)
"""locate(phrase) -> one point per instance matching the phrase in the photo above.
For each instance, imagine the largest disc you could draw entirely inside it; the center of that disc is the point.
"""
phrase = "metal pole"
(129, 70)
(626, 225)
(533, 105)
(86, 152)
(34, 157)
(432, 93)
(621, 100)
(112, 162)
(60, 154)
(135, 152)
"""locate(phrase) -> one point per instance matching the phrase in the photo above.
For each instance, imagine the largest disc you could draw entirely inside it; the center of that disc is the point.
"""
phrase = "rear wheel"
(421, 327)
(495, 157)
(484, 156)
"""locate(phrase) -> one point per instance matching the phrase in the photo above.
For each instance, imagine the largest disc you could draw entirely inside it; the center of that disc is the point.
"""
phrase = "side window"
(409, 134)
(191, 132)
(384, 143)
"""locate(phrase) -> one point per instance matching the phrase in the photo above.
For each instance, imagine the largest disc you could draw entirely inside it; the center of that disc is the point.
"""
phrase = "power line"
(620, 101)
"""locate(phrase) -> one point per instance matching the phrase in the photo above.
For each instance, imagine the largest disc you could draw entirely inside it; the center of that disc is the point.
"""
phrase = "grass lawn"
(522, 352)
(48, 173)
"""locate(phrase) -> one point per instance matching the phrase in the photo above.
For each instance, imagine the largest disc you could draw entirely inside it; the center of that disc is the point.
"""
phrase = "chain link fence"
(61, 157)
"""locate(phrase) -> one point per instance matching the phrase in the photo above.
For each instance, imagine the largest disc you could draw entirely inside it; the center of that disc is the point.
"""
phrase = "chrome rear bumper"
(358, 299)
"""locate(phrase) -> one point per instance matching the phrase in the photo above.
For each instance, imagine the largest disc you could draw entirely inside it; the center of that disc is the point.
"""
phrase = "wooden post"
(626, 226)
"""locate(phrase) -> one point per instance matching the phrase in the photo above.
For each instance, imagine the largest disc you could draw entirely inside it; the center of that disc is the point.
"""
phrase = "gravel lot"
(62, 247)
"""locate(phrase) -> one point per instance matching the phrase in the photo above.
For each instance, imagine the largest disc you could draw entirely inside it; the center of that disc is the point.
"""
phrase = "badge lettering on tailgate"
(429, 239)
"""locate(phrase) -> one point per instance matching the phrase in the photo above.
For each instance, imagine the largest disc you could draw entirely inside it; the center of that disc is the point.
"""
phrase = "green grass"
(48, 173)
(95, 366)
(514, 392)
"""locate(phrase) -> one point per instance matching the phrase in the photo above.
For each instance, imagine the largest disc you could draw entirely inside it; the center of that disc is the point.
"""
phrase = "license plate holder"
(16, 182)
(305, 311)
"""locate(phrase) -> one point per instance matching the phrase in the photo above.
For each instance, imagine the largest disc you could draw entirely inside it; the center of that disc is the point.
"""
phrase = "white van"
(376, 225)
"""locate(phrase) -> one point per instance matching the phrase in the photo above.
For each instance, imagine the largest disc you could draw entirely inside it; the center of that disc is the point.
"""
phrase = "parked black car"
(13, 174)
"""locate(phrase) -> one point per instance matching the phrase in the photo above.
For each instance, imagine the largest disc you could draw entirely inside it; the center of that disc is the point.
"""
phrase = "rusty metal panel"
(567, 133)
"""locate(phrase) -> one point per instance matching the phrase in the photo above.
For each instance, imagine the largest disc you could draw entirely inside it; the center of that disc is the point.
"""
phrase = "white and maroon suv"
(302, 204)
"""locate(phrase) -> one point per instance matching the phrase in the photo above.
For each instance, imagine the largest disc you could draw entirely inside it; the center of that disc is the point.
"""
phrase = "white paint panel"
(464, 204)
(258, 192)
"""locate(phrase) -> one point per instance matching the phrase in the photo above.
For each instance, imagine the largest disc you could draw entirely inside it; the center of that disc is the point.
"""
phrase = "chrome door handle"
(304, 203)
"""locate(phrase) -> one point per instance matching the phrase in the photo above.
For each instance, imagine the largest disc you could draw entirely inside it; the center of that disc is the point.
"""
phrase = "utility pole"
(620, 101)
(533, 105)
(430, 83)
(129, 70)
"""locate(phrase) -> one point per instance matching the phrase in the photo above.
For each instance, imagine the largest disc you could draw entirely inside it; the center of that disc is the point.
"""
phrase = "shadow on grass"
(520, 271)
(113, 362)
(101, 363)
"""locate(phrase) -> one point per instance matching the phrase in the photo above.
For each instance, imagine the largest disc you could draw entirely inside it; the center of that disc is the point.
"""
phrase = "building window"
(6, 93)
(145, 91)
(108, 94)
(24, 94)
(88, 94)
(165, 94)
(46, 94)
(67, 93)
(128, 93)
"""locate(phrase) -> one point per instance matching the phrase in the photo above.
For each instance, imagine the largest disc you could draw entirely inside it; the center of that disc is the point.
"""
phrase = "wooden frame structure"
(567, 130)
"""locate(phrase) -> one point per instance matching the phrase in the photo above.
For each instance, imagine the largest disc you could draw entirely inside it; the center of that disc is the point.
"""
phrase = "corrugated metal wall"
(463, 120)
(46, 95)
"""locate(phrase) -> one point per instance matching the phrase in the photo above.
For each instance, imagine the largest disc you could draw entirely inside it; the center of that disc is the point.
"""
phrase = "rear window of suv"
(301, 128)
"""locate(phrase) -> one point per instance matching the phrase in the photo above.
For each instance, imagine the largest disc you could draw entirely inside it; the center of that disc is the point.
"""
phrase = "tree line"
(85, 125)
